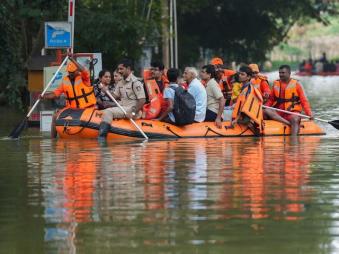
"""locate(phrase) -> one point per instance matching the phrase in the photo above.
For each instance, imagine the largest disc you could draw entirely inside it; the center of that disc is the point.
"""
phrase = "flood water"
(224, 195)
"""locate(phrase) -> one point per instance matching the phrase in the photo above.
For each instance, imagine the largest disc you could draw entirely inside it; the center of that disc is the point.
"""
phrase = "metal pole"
(171, 34)
(176, 65)
(71, 14)
(165, 32)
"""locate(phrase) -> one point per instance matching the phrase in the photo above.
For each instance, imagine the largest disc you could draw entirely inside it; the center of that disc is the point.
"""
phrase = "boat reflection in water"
(162, 193)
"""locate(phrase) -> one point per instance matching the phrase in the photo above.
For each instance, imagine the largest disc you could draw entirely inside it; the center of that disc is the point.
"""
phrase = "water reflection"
(163, 193)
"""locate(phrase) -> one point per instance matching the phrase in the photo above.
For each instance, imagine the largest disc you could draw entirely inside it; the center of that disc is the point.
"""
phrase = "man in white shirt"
(198, 91)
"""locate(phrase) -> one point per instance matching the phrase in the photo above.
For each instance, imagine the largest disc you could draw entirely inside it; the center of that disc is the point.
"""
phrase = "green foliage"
(238, 30)
(117, 28)
(277, 64)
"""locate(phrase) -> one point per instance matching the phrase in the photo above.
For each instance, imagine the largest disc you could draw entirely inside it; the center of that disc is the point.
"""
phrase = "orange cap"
(217, 61)
(71, 67)
(254, 67)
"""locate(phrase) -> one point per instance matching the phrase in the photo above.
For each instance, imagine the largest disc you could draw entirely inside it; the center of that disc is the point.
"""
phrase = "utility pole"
(176, 62)
(165, 33)
(71, 14)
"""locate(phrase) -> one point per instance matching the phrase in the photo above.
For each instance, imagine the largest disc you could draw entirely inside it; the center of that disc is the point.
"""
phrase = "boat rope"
(169, 129)
(210, 129)
(66, 130)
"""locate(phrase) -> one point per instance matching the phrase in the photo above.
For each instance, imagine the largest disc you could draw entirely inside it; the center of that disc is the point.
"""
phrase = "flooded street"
(221, 195)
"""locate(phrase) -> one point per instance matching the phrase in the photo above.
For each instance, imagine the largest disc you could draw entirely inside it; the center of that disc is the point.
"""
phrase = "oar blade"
(18, 129)
(334, 123)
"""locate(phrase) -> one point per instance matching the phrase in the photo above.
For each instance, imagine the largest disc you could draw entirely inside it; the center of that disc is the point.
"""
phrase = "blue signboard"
(58, 35)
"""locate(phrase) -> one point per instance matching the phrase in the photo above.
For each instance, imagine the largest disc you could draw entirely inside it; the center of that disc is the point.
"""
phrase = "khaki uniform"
(214, 95)
(129, 91)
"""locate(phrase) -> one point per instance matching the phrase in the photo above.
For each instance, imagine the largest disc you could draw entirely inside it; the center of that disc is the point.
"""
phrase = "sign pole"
(71, 14)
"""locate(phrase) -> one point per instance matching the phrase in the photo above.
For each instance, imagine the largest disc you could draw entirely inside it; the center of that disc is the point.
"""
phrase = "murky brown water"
(226, 195)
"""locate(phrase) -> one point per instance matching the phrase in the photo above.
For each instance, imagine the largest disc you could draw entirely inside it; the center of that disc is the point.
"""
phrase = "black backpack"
(184, 106)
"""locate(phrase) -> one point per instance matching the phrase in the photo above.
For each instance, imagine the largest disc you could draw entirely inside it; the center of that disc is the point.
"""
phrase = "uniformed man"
(130, 92)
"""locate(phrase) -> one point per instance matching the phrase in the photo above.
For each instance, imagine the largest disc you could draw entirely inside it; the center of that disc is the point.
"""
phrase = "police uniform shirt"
(129, 91)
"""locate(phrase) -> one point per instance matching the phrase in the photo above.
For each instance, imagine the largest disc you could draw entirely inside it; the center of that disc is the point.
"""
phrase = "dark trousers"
(210, 116)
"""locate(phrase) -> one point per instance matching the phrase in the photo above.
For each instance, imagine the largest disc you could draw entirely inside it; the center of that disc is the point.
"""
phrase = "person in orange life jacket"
(260, 82)
(103, 101)
(288, 94)
(215, 98)
(157, 69)
(245, 76)
(169, 93)
(77, 88)
(132, 95)
(222, 78)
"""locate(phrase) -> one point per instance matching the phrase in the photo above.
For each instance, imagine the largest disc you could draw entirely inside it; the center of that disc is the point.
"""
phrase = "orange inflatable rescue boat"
(84, 123)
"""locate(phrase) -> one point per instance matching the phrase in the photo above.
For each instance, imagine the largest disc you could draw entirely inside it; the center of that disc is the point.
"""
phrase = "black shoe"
(103, 129)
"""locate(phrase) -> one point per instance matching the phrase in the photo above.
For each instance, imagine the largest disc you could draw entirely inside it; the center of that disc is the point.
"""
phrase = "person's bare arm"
(220, 111)
(169, 109)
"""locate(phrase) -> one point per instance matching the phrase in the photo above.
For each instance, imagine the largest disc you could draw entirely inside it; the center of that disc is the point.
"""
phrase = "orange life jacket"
(291, 100)
(249, 103)
(226, 86)
(78, 95)
(257, 81)
(152, 109)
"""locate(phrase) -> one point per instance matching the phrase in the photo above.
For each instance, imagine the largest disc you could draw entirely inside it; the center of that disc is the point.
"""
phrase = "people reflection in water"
(268, 179)
(152, 182)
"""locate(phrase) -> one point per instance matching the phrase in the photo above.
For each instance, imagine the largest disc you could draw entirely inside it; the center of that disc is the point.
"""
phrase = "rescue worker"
(158, 74)
(132, 95)
(260, 82)
(77, 88)
(223, 76)
(215, 98)
(288, 94)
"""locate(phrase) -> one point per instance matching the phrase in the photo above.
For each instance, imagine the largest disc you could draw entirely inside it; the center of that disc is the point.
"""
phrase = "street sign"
(49, 73)
(58, 35)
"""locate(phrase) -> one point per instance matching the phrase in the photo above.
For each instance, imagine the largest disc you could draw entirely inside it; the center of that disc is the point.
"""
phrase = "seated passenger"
(236, 88)
(260, 82)
(157, 70)
(198, 91)
(132, 95)
(103, 101)
(168, 95)
(248, 107)
(215, 98)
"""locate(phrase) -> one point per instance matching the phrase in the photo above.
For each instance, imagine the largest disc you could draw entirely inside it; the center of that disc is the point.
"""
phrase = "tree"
(239, 30)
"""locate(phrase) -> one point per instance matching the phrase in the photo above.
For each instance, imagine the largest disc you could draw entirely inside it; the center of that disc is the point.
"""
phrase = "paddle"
(21, 126)
(334, 123)
(124, 111)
